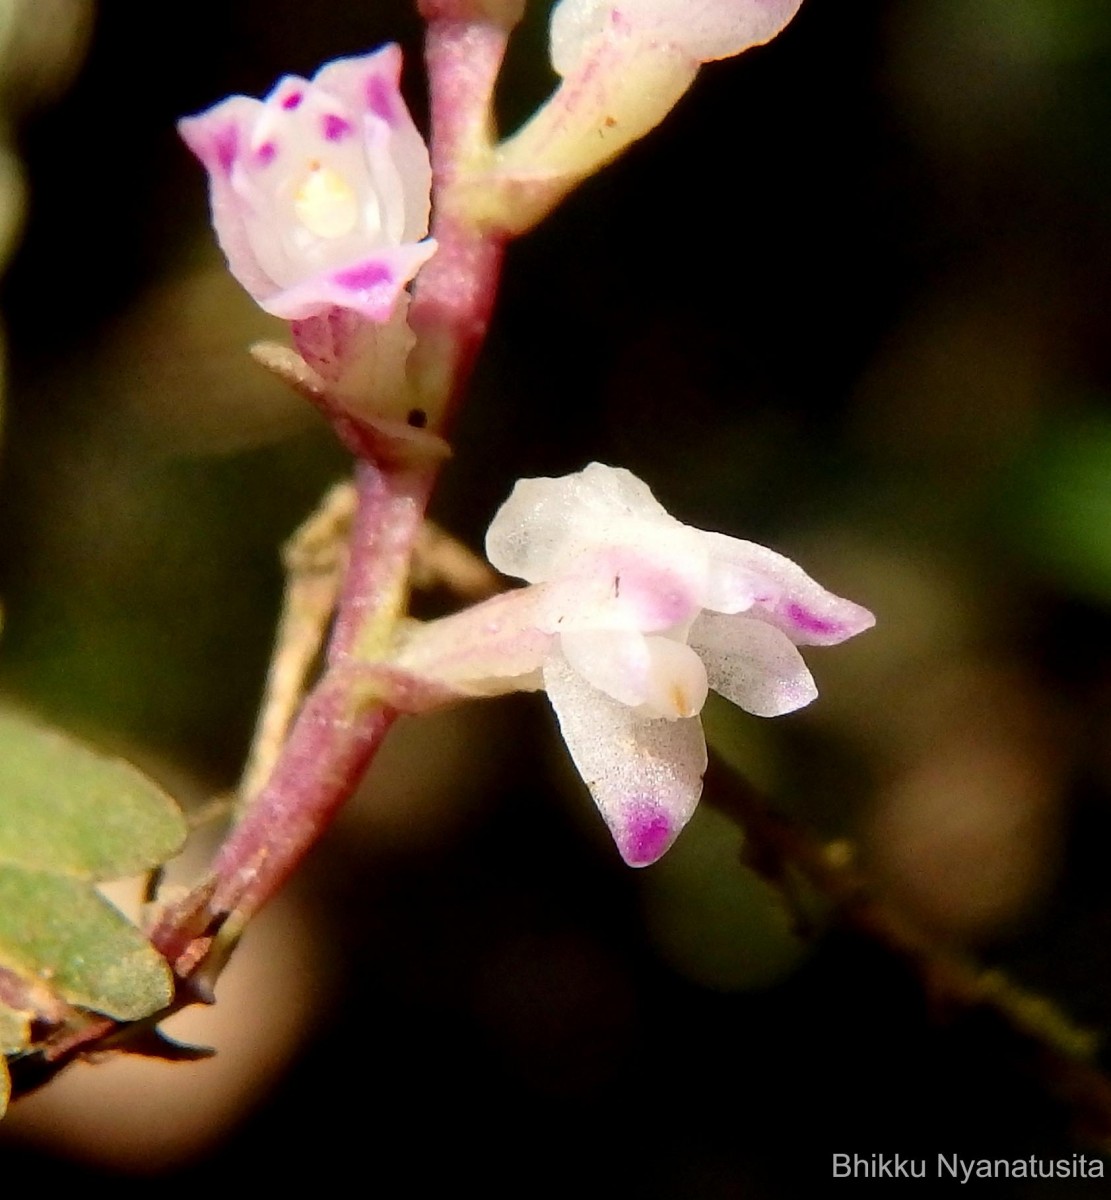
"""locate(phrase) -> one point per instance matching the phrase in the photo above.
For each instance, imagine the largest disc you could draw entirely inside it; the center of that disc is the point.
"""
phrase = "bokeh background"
(850, 301)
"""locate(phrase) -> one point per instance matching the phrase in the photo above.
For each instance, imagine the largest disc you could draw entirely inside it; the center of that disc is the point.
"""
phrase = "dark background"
(850, 301)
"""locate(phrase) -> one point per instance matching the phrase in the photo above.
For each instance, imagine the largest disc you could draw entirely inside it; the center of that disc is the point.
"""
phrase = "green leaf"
(63, 932)
(69, 817)
(66, 809)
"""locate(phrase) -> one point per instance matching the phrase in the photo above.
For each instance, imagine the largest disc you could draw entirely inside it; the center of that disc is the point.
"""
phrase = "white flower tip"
(746, 25)
(789, 694)
(546, 522)
(703, 29)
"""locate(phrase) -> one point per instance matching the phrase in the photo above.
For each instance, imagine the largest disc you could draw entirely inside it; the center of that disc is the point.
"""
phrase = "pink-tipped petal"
(730, 588)
(645, 775)
(370, 287)
(367, 83)
(786, 596)
(752, 664)
(218, 138)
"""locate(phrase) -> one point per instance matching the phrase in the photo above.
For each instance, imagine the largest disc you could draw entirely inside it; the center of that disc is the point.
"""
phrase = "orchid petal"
(730, 588)
(645, 775)
(618, 589)
(660, 676)
(547, 521)
(485, 650)
(216, 137)
(371, 84)
(786, 596)
(370, 287)
(752, 664)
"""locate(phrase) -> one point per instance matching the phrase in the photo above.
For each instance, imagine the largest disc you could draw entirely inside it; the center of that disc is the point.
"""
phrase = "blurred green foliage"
(69, 817)
(718, 923)
(1060, 515)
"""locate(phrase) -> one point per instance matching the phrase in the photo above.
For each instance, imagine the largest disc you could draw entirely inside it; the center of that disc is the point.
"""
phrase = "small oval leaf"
(66, 934)
(67, 809)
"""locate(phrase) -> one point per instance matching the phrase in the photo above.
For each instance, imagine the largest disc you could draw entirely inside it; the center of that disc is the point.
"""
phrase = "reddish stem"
(454, 294)
(323, 761)
(388, 516)
(328, 750)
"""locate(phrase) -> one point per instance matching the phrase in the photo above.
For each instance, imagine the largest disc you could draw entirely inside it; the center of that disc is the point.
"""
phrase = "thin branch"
(1054, 1051)
(442, 560)
(315, 559)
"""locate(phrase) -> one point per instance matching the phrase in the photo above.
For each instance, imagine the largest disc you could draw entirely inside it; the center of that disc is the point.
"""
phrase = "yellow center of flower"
(325, 203)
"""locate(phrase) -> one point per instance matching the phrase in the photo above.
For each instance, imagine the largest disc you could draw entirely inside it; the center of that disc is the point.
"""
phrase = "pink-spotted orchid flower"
(629, 618)
(624, 64)
(320, 192)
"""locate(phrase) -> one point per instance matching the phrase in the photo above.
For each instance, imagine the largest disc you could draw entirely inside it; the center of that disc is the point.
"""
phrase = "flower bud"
(320, 192)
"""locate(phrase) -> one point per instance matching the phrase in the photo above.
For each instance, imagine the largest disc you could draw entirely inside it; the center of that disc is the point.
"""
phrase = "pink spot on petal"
(364, 277)
(226, 146)
(292, 101)
(335, 127)
(367, 281)
(645, 832)
(266, 153)
(380, 98)
(808, 622)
